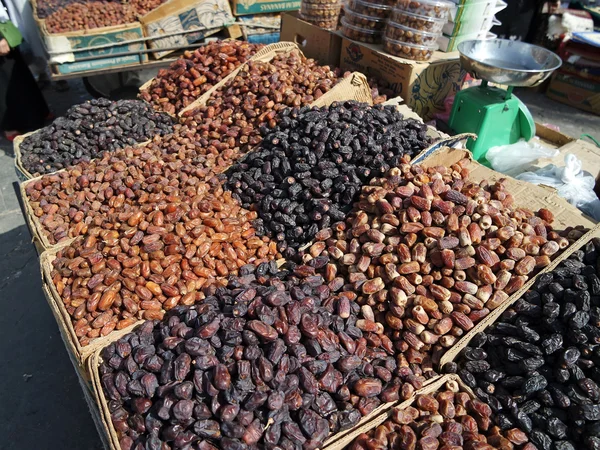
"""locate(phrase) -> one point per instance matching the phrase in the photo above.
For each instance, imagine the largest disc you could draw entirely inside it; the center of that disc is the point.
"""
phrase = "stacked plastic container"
(322, 13)
(469, 19)
(414, 27)
(365, 21)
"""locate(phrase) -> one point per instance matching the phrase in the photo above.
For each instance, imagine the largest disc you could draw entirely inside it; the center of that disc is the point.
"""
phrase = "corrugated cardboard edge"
(265, 54)
(451, 354)
(63, 318)
(378, 417)
(18, 157)
(353, 87)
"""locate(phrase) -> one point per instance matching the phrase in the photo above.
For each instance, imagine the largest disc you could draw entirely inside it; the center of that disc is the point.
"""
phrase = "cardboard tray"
(451, 354)
(22, 173)
(174, 16)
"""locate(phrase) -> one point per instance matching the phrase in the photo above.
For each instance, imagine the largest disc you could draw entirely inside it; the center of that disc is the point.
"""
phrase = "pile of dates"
(310, 168)
(272, 360)
(447, 419)
(433, 253)
(538, 367)
(195, 73)
(143, 261)
(70, 202)
(229, 124)
(88, 130)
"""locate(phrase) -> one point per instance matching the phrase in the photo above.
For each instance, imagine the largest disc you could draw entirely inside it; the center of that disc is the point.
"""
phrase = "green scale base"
(495, 115)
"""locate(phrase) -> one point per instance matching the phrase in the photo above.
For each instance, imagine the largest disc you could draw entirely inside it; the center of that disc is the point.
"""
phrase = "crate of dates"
(416, 21)
(398, 32)
(270, 360)
(444, 414)
(371, 9)
(364, 21)
(361, 34)
(537, 366)
(416, 52)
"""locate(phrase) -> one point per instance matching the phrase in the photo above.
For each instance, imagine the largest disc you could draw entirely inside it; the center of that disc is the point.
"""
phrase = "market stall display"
(281, 264)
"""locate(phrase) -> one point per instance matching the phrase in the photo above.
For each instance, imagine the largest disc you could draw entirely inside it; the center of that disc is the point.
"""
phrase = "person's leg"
(6, 67)
(26, 106)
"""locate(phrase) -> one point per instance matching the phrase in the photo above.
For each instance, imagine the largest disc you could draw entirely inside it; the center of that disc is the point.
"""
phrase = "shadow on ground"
(42, 403)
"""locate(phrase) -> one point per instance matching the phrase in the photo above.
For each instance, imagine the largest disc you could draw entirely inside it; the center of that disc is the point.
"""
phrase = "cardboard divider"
(265, 54)
(451, 354)
(74, 348)
(378, 417)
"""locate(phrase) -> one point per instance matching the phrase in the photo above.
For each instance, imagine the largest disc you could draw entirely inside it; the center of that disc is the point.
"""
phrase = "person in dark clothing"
(22, 105)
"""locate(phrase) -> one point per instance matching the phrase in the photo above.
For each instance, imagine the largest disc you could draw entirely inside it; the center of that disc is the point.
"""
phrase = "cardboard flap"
(354, 87)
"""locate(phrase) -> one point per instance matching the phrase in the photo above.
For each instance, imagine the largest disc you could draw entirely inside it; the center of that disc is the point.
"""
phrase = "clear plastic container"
(416, 21)
(326, 23)
(360, 34)
(406, 34)
(438, 9)
(321, 2)
(364, 21)
(320, 12)
(407, 50)
(372, 8)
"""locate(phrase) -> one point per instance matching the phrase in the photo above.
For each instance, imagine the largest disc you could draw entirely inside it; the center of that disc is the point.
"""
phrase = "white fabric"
(3, 14)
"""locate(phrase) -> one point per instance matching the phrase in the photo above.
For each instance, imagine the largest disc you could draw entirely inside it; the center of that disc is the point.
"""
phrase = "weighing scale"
(496, 115)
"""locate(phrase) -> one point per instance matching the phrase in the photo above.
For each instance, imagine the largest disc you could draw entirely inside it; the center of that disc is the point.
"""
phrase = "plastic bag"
(570, 182)
(511, 159)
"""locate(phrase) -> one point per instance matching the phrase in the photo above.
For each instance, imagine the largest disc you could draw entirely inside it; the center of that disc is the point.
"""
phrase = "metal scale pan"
(511, 63)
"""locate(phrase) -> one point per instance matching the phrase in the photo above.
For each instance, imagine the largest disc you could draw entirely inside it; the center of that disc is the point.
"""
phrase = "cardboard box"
(315, 42)
(575, 91)
(246, 7)
(423, 85)
(176, 16)
(63, 60)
